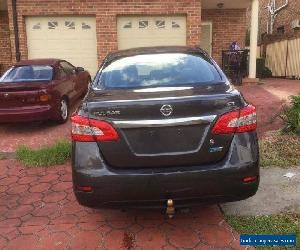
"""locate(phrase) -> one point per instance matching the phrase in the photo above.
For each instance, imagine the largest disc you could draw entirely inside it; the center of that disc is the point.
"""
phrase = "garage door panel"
(69, 38)
(38, 45)
(145, 31)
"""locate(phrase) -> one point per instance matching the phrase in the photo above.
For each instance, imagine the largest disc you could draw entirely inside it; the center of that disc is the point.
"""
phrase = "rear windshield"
(28, 73)
(158, 70)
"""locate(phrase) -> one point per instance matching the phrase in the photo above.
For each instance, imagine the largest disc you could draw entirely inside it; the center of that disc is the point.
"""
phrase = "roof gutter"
(16, 30)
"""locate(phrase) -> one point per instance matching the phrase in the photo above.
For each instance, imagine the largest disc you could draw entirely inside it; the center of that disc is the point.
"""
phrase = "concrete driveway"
(38, 211)
(276, 194)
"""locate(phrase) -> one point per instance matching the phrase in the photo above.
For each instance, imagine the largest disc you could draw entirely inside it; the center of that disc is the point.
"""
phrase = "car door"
(74, 76)
(67, 83)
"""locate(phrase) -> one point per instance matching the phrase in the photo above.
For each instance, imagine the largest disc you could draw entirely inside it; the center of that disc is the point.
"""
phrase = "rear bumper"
(220, 182)
(23, 114)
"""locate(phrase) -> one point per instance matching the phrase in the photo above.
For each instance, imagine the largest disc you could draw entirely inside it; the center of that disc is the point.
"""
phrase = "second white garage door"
(144, 31)
(69, 38)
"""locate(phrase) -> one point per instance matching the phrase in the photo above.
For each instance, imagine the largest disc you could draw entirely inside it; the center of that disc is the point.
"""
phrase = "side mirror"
(79, 69)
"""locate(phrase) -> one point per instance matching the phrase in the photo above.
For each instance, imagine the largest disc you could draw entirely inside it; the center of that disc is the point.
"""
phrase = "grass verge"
(280, 150)
(267, 224)
(57, 154)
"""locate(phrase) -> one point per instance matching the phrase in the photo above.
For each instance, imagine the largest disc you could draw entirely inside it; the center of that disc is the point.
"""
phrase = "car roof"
(44, 61)
(155, 50)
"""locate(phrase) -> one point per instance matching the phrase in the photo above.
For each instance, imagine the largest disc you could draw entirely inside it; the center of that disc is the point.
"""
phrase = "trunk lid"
(162, 127)
(14, 95)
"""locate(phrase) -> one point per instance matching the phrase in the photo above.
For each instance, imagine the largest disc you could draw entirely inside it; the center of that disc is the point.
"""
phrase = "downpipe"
(16, 30)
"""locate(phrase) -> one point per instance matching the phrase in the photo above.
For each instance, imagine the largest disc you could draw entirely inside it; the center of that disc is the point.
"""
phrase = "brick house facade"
(229, 23)
(282, 25)
(5, 47)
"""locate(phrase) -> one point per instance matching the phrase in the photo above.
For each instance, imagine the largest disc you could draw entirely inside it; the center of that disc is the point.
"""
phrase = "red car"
(41, 89)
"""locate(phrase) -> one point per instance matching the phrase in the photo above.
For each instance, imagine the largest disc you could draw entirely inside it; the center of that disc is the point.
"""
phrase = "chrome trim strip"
(160, 99)
(165, 122)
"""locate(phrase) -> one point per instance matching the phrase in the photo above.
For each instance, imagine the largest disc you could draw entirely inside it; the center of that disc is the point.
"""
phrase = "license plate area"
(163, 140)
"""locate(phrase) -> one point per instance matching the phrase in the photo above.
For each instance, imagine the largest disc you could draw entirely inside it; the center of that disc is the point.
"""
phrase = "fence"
(283, 58)
(235, 64)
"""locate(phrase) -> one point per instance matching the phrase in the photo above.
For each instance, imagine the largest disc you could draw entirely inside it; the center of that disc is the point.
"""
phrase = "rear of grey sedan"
(163, 124)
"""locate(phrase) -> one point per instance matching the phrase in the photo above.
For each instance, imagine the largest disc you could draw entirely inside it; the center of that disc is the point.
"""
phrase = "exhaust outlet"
(170, 211)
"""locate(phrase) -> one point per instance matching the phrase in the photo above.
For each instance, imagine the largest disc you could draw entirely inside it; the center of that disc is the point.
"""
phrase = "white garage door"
(69, 38)
(144, 31)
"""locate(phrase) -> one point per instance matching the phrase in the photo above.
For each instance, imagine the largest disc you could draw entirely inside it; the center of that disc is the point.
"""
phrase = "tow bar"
(170, 209)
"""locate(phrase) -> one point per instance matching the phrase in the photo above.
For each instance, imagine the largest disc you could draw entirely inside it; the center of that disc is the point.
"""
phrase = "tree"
(274, 11)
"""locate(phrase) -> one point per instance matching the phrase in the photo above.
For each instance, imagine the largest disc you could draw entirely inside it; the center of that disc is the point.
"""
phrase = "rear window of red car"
(28, 73)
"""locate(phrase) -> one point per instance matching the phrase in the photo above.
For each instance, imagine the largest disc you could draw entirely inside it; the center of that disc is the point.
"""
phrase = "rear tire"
(63, 111)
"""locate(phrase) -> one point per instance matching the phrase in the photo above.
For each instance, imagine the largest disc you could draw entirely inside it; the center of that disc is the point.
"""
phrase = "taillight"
(40, 98)
(238, 121)
(45, 98)
(89, 130)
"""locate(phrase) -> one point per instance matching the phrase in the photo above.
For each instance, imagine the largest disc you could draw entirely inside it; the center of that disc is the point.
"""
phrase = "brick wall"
(228, 25)
(106, 12)
(5, 50)
(284, 18)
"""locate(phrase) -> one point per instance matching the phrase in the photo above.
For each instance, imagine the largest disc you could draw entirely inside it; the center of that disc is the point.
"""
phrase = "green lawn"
(57, 154)
(264, 224)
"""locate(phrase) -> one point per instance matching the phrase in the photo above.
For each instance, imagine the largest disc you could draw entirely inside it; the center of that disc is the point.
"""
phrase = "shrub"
(262, 70)
(291, 115)
(266, 73)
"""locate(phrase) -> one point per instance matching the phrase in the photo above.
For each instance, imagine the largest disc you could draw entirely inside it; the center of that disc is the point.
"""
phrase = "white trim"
(209, 23)
(253, 38)
(227, 4)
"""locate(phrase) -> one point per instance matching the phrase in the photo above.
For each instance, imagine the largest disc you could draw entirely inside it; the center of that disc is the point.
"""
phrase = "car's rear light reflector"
(238, 121)
(38, 98)
(89, 130)
(85, 188)
(45, 98)
(250, 179)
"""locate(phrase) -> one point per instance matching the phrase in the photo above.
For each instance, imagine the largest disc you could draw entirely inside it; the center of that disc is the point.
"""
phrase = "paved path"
(268, 99)
(276, 194)
(38, 211)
